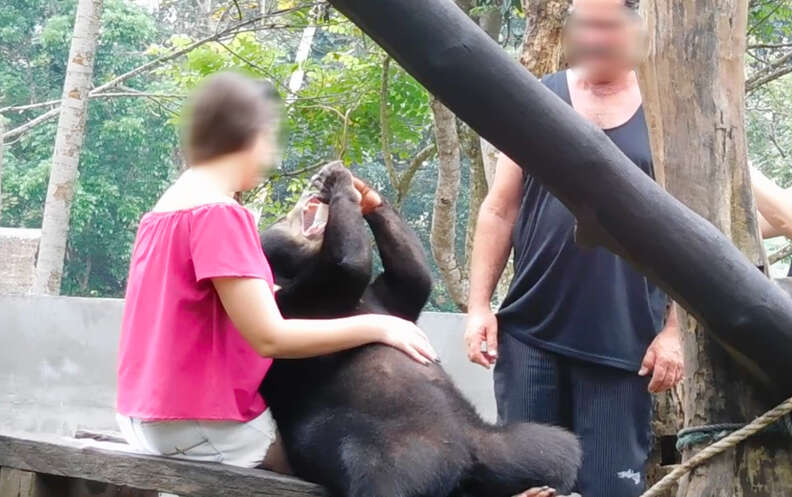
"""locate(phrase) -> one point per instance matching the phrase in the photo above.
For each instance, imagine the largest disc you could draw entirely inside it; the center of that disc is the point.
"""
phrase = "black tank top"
(588, 304)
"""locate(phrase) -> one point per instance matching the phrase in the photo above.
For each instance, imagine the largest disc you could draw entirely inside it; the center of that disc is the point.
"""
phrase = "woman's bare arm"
(251, 306)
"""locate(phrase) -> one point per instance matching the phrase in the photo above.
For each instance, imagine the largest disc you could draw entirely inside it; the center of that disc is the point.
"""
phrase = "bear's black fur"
(371, 422)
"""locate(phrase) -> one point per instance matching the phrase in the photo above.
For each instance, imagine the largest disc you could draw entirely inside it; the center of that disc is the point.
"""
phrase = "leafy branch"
(151, 65)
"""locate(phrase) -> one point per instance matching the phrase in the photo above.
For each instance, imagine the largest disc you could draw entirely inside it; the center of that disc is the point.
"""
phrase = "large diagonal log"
(616, 204)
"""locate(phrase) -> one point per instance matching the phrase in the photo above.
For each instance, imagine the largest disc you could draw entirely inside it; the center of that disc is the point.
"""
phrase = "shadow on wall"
(58, 362)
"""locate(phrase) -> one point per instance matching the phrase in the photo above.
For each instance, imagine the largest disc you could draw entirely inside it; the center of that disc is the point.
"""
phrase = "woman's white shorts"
(227, 442)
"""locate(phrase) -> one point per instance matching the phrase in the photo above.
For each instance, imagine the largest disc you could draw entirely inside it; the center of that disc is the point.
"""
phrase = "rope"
(719, 447)
(697, 435)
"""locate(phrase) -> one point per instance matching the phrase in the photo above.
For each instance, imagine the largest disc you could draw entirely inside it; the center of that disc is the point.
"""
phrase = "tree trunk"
(454, 272)
(303, 52)
(443, 232)
(699, 148)
(68, 143)
(2, 156)
(544, 21)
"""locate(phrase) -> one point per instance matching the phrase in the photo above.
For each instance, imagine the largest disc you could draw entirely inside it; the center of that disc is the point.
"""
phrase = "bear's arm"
(404, 286)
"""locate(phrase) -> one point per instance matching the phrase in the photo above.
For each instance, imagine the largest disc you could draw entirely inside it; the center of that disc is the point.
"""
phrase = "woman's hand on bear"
(538, 492)
(405, 336)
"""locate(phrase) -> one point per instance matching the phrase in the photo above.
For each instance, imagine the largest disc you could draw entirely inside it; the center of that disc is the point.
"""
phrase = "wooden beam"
(18, 483)
(99, 462)
(615, 203)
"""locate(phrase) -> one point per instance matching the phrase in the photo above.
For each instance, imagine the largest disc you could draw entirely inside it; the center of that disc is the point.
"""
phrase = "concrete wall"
(58, 362)
(18, 247)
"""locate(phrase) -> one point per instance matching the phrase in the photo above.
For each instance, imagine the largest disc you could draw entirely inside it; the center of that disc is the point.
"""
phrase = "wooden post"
(19, 483)
(693, 87)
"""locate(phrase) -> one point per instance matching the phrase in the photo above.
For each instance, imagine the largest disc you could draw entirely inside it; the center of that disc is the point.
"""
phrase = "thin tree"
(540, 54)
(2, 152)
(304, 51)
(699, 146)
(450, 140)
(68, 144)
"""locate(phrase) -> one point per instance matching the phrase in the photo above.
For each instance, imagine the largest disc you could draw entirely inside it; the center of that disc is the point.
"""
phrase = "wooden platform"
(34, 465)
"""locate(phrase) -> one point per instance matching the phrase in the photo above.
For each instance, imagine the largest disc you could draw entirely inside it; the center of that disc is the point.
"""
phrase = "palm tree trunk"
(68, 144)
(2, 152)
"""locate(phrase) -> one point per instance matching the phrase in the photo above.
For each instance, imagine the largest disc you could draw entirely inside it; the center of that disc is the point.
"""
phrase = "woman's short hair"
(225, 114)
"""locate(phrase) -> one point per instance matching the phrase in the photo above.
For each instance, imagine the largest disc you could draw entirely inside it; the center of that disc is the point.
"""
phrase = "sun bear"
(371, 422)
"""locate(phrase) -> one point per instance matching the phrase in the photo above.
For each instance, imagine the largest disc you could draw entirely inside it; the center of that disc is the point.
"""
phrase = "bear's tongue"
(314, 217)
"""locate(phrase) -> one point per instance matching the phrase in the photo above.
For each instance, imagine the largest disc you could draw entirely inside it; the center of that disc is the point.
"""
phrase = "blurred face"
(603, 38)
(259, 158)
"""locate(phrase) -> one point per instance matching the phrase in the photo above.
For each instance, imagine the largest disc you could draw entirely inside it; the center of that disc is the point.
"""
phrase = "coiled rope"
(726, 443)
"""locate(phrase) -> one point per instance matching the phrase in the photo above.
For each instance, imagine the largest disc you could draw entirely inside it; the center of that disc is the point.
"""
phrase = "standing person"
(582, 338)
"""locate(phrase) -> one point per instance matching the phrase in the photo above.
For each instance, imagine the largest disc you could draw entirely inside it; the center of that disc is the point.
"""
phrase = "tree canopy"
(354, 103)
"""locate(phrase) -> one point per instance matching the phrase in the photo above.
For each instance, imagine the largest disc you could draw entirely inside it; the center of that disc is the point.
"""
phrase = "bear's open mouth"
(314, 218)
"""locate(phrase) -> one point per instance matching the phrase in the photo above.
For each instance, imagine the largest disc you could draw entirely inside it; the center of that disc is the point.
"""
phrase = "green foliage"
(768, 116)
(129, 153)
(769, 20)
(131, 146)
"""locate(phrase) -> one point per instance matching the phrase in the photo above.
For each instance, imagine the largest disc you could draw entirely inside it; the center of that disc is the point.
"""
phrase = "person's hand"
(538, 492)
(405, 336)
(482, 328)
(664, 360)
(370, 199)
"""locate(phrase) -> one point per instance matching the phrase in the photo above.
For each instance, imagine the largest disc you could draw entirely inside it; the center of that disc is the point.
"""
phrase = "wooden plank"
(18, 483)
(114, 464)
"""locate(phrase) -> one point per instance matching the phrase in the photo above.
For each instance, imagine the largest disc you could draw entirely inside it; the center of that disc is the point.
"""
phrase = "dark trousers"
(609, 409)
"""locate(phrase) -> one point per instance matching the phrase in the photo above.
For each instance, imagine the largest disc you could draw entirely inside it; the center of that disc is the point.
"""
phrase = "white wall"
(58, 362)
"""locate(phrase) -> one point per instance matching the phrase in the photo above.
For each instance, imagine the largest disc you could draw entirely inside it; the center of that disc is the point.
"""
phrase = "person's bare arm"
(251, 306)
(767, 230)
(774, 205)
(491, 246)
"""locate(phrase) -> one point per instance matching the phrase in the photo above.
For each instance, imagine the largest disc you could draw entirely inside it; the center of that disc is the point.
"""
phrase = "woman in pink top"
(200, 324)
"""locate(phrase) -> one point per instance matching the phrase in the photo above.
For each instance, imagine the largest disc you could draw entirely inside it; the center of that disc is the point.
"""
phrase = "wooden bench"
(38, 465)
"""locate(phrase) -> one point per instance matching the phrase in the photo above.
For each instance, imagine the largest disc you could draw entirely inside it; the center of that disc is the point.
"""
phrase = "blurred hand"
(538, 492)
(664, 360)
(370, 199)
(482, 328)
